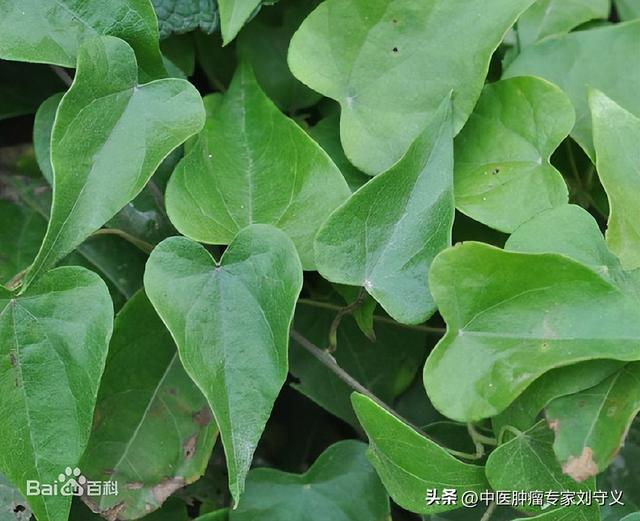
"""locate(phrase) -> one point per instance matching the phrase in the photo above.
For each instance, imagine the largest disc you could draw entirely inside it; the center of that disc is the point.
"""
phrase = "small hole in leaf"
(495, 171)
(395, 49)
(395, 21)
(19, 508)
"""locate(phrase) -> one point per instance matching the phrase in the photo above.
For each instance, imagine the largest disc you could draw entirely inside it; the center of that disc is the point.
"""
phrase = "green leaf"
(409, 464)
(632, 517)
(230, 321)
(233, 15)
(628, 9)
(591, 425)
(42, 129)
(327, 133)
(153, 430)
(264, 44)
(24, 86)
(550, 17)
(390, 64)
(511, 317)
(522, 413)
(96, 173)
(588, 57)
(386, 367)
(616, 134)
(502, 172)
(183, 16)
(247, 150)
(563, 514)
(20, 235)
(52, 31)
(340, 485)
(13, 506)
(53, 346)
(527, 463)
(386, 235)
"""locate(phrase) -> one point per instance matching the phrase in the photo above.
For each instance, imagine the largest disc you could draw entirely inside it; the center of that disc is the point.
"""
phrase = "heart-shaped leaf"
(153, 430)
(384, 63)
(581, 60)
(96, 173)
(231, 322)
(52, 31)
(527, 463)
(53, 345)
(591, 425)
(409, 464)
(386, 235)
(502, 172)
(616, 137)
(511, 317)
(252, 164)
(341, 485)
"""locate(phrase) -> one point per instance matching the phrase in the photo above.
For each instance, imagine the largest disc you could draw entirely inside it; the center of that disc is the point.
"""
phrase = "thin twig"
(384, 320)
(489, 512)
(139, 243)
(329, 361)
(478, 437)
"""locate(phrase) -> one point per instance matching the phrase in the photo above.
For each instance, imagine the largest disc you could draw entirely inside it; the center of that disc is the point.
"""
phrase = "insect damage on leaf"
(581, 467)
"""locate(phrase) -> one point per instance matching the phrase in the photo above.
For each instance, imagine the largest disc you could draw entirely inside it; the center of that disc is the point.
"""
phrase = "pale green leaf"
(341, 485)
(153, 430)
(591, 425)
(233, 15)
(628, 9)
(230, 321)
(527, 463)
(502, 172)
(53, 345)
(549, 17)
(511, 317)
(97, 172)
(584, 59)
(409, 464)
(52, 31)
(252, 164)
(42, 129)
(386, 235)
(389, 64)
(616, 136)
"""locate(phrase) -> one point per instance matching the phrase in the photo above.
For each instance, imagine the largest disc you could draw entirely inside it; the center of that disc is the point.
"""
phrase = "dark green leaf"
(183, 16)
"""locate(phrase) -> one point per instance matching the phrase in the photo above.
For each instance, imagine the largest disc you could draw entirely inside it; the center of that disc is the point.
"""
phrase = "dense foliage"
(340, 260)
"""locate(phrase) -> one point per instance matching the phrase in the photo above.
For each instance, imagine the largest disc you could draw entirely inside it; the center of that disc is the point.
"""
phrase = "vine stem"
(489, 512)
(384, 320)
(324, 357)
(346, 310)
(62, 74)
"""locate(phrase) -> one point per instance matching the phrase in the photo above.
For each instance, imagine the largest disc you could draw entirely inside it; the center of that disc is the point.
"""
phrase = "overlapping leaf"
(252, 164)
(52, 31)
(511, 317)
(409, 464)
(341, 485)
(389, 64)
(386, 235)
(183, 16)
(550, 17)
(502, 172)
(527, 463)
(591, 425)
(96, 173)
(616, 135)
(230, 321)
(153, 430)
(584, 59)
(53, 345)
(233, 15)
